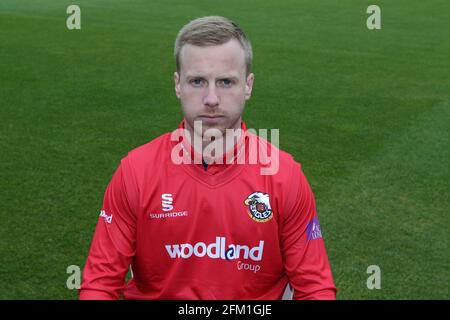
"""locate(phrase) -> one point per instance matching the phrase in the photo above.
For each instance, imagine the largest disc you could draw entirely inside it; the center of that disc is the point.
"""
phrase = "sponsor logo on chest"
(245, 255)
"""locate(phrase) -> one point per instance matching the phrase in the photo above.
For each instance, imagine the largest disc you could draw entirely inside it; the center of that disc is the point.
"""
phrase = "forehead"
(225, 58)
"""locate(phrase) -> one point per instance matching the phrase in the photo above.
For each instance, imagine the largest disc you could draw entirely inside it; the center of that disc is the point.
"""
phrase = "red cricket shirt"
(224, 231)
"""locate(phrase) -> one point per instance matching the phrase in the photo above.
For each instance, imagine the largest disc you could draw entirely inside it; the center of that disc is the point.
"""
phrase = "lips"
(207, 116)
(211, 119)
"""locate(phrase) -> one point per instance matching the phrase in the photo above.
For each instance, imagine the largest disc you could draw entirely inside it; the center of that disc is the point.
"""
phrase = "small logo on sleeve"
(313, 229)
(107, 218)
(259, 206)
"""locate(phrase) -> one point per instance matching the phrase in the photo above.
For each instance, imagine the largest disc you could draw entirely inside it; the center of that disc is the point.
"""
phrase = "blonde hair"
(212, 31)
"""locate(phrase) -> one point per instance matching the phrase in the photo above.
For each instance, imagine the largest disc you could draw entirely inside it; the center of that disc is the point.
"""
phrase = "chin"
(212, 127)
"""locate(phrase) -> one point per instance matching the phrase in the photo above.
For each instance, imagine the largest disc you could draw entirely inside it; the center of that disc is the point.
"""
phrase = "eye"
(197, 82)
(226, 83)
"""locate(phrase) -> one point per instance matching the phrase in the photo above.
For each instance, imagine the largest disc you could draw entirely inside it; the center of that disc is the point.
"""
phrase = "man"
(195, 216)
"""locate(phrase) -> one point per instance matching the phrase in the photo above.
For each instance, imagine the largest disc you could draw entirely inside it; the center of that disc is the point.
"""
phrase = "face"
(212, 85)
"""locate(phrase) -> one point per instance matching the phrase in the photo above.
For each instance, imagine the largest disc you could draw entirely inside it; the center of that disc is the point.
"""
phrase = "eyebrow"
(234, 78)
(221, 77)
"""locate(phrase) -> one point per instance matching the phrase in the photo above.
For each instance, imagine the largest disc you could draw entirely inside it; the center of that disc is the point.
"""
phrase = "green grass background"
(365, 112)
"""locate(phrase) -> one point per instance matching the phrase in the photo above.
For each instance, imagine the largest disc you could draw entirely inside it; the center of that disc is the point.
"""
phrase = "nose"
(211, 98)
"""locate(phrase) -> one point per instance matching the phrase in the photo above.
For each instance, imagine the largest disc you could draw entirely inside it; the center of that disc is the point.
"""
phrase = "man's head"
(213, 78)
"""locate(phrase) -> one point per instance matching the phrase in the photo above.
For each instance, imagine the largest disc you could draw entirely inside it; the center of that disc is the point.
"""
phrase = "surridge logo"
(166, 202)
(216, 250)
(259, 208)
(167, 205)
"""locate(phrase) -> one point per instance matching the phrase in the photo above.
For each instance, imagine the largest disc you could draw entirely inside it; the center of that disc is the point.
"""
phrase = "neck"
(214, 144)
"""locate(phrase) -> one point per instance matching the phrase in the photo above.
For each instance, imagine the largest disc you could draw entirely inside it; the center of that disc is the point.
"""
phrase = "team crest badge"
(259, 206)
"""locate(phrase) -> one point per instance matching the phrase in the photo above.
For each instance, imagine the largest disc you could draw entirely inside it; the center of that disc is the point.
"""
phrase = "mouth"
(211, 116)
(211, 119)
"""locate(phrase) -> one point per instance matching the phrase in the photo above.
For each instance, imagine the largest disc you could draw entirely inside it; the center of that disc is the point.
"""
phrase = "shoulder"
(281, 169)
(285, 177)
(150, 149)
(273, 161)
(149, 154)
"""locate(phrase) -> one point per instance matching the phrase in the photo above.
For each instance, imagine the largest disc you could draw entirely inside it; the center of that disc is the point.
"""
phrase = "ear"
(249, 86)
(176, 79)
